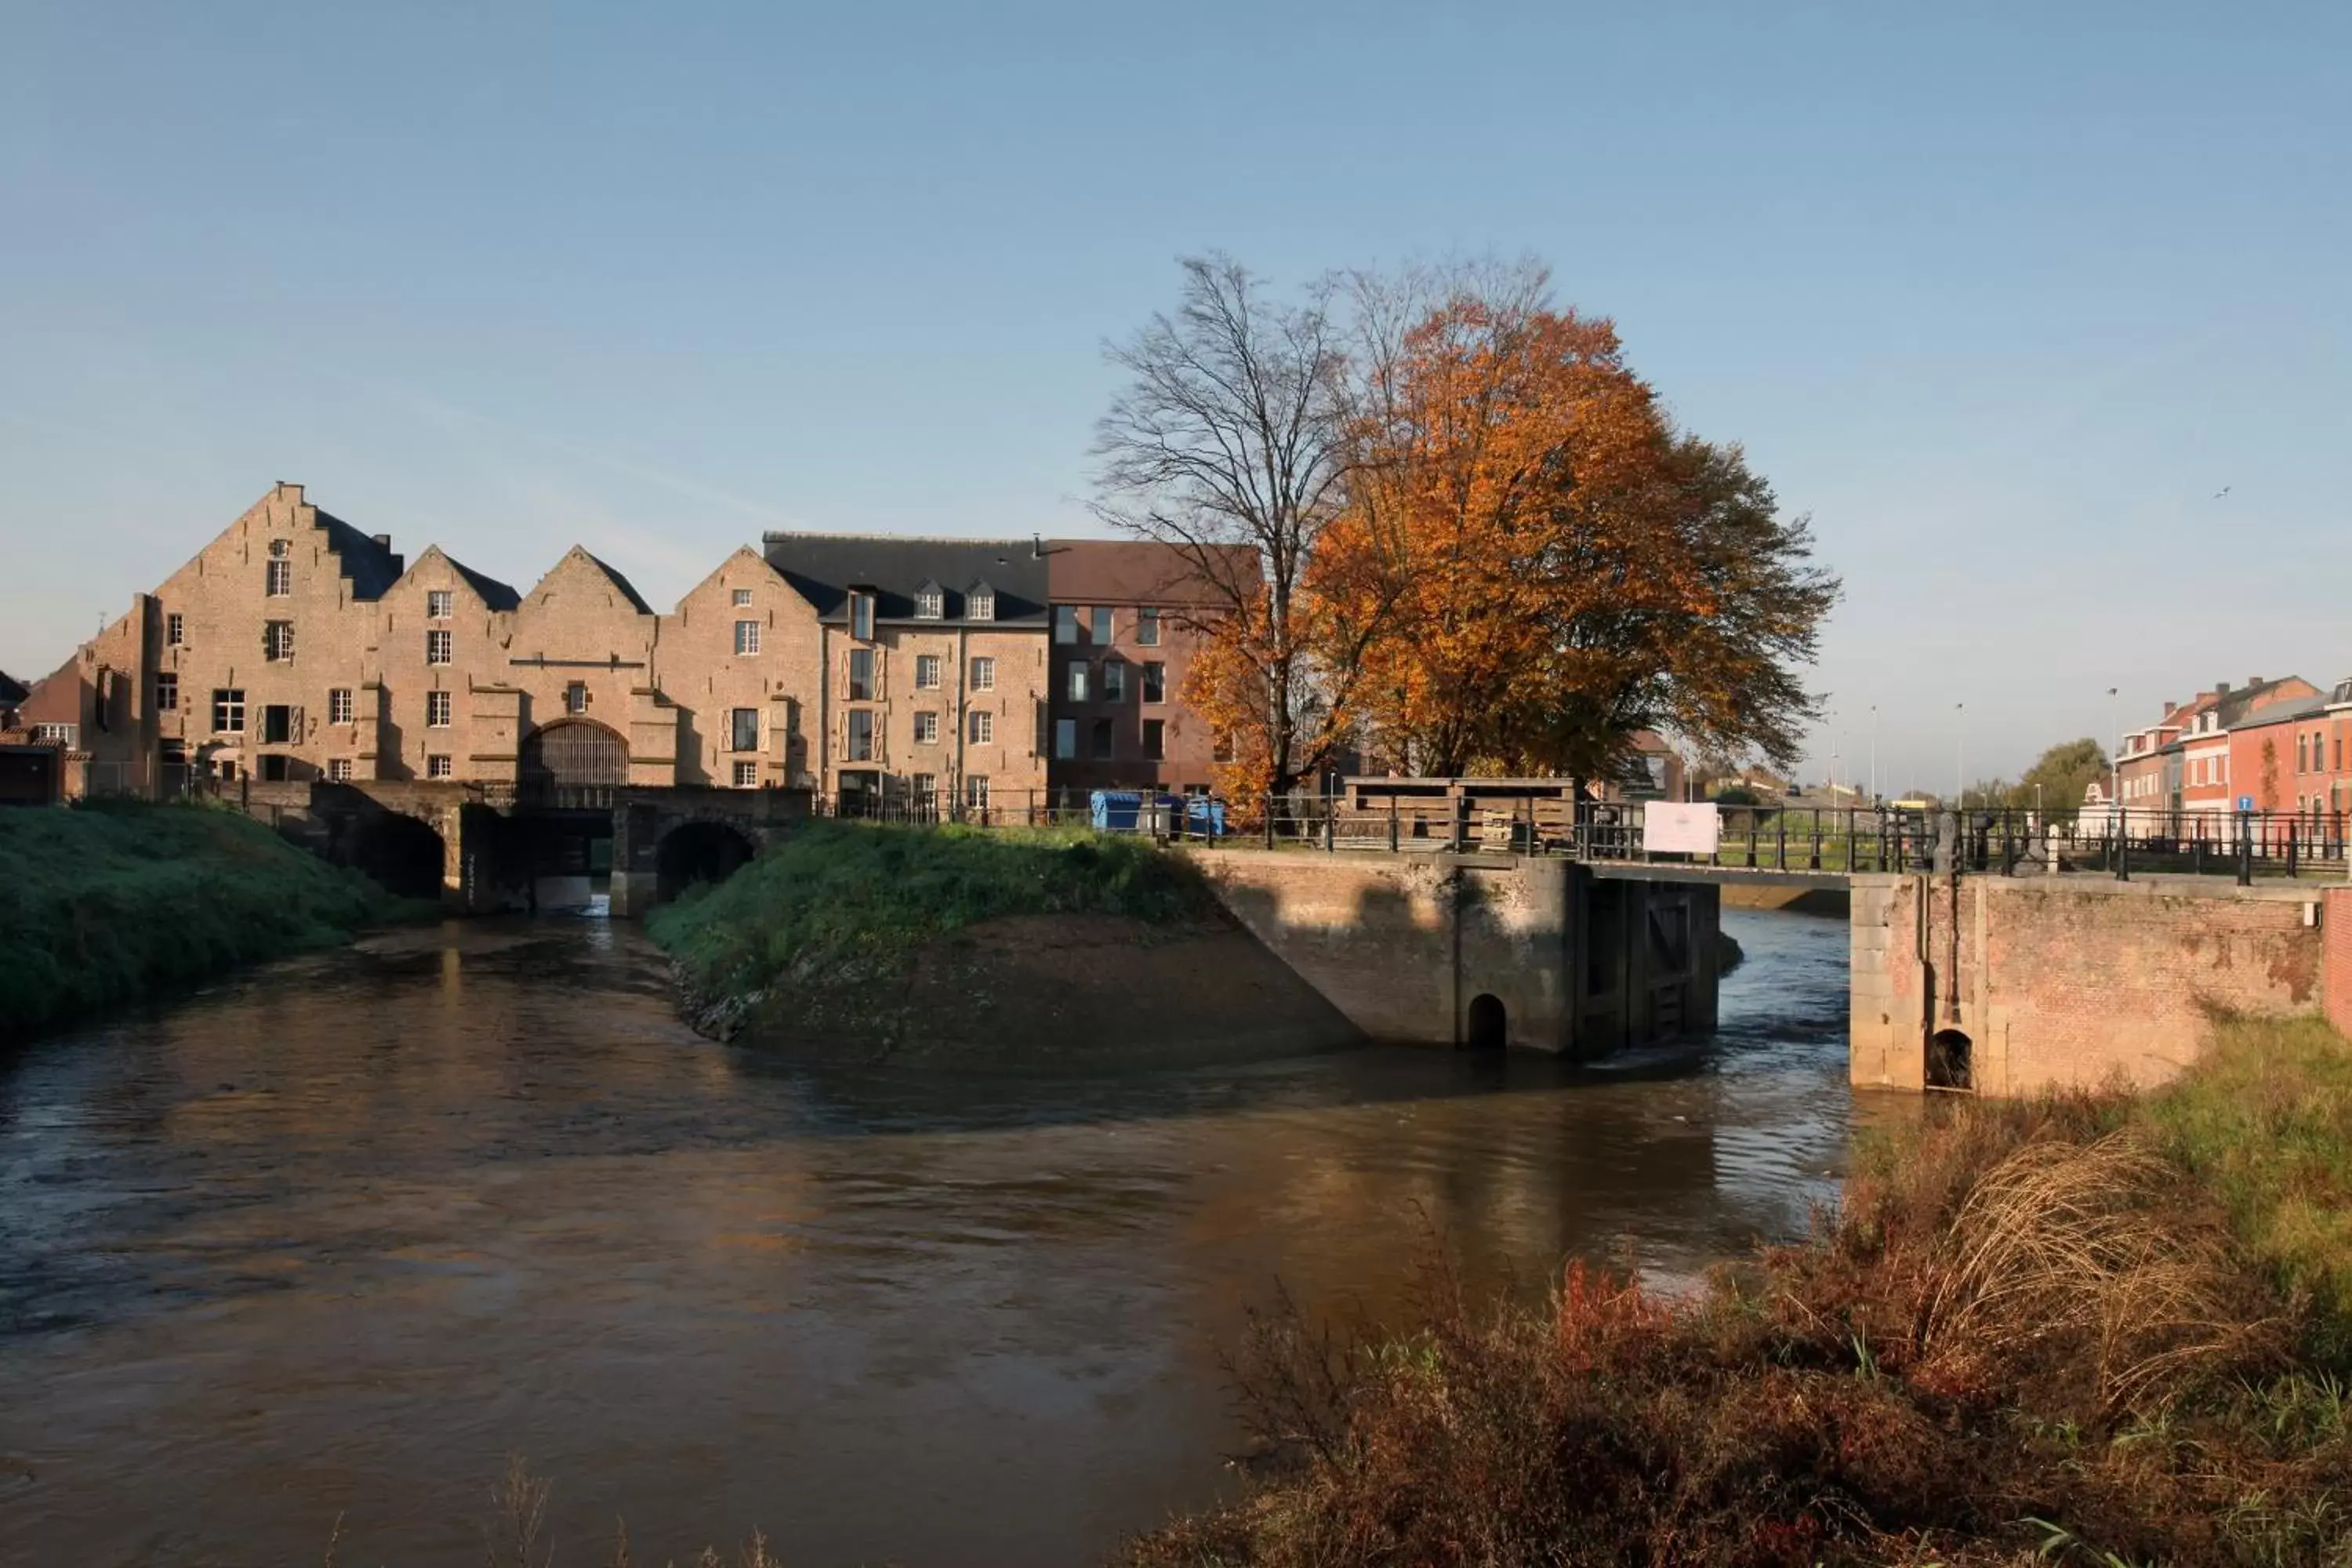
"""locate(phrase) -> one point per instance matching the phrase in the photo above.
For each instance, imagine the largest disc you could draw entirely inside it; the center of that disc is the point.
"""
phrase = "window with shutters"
(743, 729)
(436, 710)
(277, 724)
(984, 729)
(438, 645)
(983, 675)
(861, 735)
(278, 640)
(861, 675)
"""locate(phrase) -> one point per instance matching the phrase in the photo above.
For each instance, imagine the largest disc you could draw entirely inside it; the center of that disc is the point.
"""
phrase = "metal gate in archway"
(574, 761)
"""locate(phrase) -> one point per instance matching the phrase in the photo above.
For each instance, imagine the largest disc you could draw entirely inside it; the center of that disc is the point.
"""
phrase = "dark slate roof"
(495, 594)
(823, 568)
(2284, 711)
(12, 691)
(372, 567)
(628, 589)
(2252, 703)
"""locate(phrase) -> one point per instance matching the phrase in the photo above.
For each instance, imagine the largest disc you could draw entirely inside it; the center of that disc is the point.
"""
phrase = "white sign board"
(1686, 829)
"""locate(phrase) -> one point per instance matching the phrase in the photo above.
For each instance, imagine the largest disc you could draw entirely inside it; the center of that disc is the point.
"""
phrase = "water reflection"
(340, 1234)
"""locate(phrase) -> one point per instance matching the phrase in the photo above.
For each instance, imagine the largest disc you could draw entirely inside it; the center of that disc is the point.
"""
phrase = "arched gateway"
(572, 753)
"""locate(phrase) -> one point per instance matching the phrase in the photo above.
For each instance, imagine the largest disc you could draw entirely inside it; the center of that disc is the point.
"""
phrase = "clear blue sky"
(2001, 297)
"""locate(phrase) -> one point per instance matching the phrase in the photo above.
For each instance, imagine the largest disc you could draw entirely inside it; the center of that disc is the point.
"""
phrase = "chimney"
(382, 541)
(1037, 547)
(2252, 681)
(2221, 688)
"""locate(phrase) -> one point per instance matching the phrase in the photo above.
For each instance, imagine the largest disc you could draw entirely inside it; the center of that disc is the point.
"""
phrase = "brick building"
(1128, 620)
(924, 686)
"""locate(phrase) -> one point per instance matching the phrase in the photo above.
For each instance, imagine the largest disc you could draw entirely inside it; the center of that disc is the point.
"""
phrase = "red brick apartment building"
(1128, 618)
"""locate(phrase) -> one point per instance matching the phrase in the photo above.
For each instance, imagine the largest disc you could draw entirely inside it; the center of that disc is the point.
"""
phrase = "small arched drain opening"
(1487, 1026)
(1948, 1061)
(698, 852)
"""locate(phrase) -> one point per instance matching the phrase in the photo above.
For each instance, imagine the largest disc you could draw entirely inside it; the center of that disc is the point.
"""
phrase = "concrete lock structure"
(1483, 950)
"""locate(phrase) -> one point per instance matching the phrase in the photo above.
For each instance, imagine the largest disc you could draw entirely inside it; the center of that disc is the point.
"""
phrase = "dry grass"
(2031, 1333)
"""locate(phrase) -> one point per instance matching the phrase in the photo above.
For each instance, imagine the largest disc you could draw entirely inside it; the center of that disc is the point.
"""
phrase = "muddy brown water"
(338, 1236)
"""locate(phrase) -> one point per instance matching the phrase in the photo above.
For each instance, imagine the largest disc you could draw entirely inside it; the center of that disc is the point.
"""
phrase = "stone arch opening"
(698, 852)
(1950, 1064)
(572, 754)
(400, 854)
(1487, 1026)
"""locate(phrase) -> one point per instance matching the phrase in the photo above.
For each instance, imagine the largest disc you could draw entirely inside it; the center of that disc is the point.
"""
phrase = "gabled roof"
(372, 567)
(498, 595)
(621, 585)
(823, 567)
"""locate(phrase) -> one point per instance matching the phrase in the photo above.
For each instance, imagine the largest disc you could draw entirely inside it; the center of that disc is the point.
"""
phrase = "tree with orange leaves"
(1553, 567)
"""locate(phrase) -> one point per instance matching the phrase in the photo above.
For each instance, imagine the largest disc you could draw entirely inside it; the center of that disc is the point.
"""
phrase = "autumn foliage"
(1510, 559)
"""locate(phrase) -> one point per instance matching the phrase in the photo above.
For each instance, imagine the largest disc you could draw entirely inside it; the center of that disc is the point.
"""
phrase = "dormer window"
(980, 605)
(861, 616)
(930, 604)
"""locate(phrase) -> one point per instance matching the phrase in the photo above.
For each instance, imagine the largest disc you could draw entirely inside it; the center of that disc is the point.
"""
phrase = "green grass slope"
(103, 903)
(841, 903)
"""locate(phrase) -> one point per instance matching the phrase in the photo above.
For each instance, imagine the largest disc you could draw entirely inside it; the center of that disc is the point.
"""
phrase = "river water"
(338, 1237)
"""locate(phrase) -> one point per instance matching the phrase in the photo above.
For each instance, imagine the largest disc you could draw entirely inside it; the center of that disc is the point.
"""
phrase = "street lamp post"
(2115, 762)
(1961, 756)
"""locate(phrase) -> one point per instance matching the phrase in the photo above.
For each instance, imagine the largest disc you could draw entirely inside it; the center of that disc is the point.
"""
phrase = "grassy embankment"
(2098, 1330)
(105, 903)
(814, 921)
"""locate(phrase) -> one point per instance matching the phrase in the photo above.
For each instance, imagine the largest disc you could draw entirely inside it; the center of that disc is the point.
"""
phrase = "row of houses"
(956, 671)
(2265, 745)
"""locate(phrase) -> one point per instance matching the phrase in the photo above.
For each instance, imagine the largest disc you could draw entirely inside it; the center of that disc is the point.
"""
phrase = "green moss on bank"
(108, 902)
(843, 902)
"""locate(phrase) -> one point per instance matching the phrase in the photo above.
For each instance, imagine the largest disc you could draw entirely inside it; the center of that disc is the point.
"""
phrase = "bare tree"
(1230, 447)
